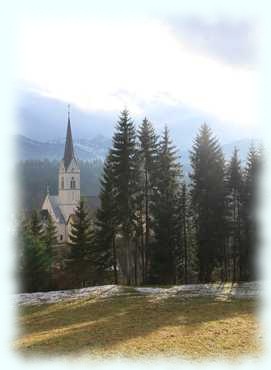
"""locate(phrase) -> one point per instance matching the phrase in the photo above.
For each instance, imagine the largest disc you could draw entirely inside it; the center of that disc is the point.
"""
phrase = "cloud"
(102, 66)
(230, 41)
(44, 118)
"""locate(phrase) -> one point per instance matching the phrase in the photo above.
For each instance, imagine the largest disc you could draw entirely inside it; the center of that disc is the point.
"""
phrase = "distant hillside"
(86, 149)
(44, 118)
(38, 175)
(97, 148)
(41, 167)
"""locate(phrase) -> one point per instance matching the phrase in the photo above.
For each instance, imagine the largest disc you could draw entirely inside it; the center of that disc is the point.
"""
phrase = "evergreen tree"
(35, 224)
(164, 208)
(234, 188)
(178, 240)
(81, 238)
(148, 151)
(208, 201)
(125, 172)
(249, 222)
(33, 261)
(49, 239)
(50, 234)
(192, 252)
(106, 224)
(184, 231)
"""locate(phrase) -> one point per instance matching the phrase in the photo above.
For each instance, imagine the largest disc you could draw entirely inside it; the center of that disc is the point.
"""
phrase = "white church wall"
(67, 180)
(62, 233)
(68, 209)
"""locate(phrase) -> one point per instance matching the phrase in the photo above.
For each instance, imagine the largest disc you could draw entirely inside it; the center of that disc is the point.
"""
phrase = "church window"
(62, 182)
(61, 237)
(73, 183)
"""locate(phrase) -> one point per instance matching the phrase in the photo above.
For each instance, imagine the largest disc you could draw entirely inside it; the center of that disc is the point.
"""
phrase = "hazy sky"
(104, 64)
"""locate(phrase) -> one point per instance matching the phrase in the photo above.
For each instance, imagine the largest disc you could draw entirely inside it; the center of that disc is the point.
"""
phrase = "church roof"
(54, 202)
(69, 152)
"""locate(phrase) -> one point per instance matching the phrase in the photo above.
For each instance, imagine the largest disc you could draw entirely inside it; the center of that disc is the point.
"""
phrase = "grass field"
(135, 326)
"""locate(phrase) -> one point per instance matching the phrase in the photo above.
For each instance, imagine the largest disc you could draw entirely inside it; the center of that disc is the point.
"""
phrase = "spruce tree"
(33, 262)
(35, 225)
(148, 151)
(164, 208)
(80, 242)
(106, 224)
(178, 240)
(184, 230)
(234, 190)
(125, 172)
(49, 239)
(50, 234)
(249, 221)
(208, 201)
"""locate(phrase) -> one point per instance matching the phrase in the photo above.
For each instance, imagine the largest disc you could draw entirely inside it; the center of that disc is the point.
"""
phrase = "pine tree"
(164, 208)
(125, 171)
(208, 201)
(106, 224)
(234, 189)
(81, 239)
(148, 151)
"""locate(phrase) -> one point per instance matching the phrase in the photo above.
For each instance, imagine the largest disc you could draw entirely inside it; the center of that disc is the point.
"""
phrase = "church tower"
(68, 177)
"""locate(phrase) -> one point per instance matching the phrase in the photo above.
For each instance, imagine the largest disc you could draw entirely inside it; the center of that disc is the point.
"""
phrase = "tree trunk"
(136, 261)
(142, 249)
(147, 220)
(185, 240)
(234, 240)
(225, 261)
(115, 260)
(128, 260)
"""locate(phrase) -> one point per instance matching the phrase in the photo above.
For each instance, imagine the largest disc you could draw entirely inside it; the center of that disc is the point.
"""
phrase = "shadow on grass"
(91, 325)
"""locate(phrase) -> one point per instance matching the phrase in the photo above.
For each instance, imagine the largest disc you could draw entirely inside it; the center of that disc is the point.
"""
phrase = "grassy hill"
(134, 324)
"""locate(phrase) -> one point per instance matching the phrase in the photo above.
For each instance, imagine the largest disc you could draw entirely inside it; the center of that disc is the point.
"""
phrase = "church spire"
(69, 152)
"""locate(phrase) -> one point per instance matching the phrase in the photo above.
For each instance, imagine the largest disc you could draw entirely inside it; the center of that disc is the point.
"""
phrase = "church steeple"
(69, 152)
(68, 177)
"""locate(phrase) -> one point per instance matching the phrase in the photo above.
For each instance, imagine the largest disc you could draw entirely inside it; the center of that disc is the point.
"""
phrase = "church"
(61, 207)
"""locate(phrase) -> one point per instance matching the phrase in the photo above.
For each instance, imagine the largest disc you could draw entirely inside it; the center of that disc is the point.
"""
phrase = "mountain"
(44, 118)
(97, 148)
(86, 149)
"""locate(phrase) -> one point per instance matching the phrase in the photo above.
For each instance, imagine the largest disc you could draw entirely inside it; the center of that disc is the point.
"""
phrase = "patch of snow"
(61, 295)
(220, 291)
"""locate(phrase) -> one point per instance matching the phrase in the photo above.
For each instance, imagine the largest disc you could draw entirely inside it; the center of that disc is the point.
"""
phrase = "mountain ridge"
(44, 118)
(97, 148)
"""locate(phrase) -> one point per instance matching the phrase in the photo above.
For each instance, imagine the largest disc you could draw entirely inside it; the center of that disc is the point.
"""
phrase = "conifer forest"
(155, 224)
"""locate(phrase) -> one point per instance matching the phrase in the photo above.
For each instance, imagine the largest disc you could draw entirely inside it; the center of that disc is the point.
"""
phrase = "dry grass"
(135, 326)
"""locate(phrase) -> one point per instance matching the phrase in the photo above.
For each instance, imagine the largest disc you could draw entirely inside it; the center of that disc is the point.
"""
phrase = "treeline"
(35, 175)
(155, 227)
(166, 231)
